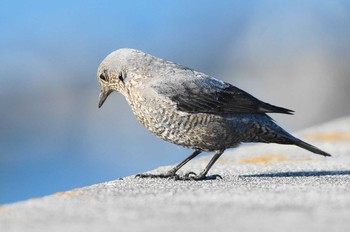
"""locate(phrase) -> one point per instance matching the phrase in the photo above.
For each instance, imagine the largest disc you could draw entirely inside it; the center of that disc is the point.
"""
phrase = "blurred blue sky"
(53, 137)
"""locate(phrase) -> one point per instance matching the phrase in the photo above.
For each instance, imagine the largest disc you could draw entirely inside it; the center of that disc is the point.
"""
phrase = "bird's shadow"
(300, 174)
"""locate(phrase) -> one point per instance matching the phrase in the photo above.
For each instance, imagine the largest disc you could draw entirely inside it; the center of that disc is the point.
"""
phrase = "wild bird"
(190, 108)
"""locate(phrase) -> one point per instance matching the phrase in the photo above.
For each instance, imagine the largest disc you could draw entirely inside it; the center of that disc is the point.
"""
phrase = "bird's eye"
(102, 77)
(121, 77)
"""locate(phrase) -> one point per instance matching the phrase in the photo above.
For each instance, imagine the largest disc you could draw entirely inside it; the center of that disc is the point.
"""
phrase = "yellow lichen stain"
(269, 158)
(66, 194)
(264, 159)
(329, 137)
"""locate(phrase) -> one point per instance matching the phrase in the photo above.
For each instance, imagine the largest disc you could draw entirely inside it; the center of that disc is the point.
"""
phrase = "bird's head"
(113, 72)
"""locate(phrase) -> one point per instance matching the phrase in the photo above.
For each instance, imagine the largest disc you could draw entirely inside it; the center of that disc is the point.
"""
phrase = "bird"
(190, 109)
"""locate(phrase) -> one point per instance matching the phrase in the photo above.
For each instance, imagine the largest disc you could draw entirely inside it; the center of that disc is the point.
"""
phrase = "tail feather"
(286, 138)
(310, 147)
(270, 132)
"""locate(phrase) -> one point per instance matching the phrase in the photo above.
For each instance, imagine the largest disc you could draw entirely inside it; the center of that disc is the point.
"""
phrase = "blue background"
(54, 138)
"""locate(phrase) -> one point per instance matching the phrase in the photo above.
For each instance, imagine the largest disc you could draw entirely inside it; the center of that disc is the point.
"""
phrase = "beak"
(103, 96)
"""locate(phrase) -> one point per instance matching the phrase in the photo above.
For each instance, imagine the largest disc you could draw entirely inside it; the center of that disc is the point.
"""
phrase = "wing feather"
(205, 94)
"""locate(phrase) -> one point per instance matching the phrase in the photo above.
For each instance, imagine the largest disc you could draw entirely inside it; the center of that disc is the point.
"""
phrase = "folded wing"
(209, 95)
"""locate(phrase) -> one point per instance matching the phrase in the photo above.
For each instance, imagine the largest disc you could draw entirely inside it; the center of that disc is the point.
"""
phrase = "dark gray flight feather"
(208, 95)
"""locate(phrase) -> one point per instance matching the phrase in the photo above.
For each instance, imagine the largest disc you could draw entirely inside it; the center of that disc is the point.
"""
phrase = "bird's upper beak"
(103, 96)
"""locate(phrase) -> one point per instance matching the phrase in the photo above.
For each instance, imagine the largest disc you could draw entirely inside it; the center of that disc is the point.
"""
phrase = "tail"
(269, 132)
(287, 138)
(309, 147)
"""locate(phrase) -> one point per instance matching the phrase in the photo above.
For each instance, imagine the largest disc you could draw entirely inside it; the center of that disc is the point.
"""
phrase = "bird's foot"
(168, 175)
(172, 175)
(201, 176)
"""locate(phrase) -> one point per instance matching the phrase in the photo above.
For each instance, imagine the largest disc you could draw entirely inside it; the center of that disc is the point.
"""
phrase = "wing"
(209, 95)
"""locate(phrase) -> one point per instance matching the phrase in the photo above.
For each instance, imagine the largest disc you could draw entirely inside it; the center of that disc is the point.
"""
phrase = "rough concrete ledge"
(264, 188)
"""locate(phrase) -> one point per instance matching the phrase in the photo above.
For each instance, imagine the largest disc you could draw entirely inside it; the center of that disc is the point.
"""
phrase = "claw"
(214, 177)
(194, 176)
(190, 173)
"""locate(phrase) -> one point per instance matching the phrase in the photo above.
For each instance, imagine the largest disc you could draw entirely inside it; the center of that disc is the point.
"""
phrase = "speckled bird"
(190, 108)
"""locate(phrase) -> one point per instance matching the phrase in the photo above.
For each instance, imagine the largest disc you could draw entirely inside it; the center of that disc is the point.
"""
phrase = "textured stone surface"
(264, 188)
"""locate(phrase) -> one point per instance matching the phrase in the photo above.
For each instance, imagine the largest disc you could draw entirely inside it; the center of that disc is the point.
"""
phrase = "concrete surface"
(264, 188)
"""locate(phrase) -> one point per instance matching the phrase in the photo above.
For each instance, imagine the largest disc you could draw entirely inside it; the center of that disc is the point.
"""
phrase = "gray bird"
(190, 108)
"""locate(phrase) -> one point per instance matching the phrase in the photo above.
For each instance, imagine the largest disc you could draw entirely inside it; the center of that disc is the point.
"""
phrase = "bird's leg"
(171, 172)
(202, 175)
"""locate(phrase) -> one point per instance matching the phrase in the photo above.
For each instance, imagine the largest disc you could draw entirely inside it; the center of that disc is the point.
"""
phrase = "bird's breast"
(193, 130)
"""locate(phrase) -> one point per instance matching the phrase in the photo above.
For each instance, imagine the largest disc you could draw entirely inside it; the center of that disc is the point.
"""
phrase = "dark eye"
(121, 77)
(102, 77)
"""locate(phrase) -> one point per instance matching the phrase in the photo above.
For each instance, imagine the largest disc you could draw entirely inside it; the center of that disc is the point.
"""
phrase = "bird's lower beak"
(103, 96)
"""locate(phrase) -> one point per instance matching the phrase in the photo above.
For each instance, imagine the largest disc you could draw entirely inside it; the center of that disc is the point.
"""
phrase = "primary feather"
(204, 94)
